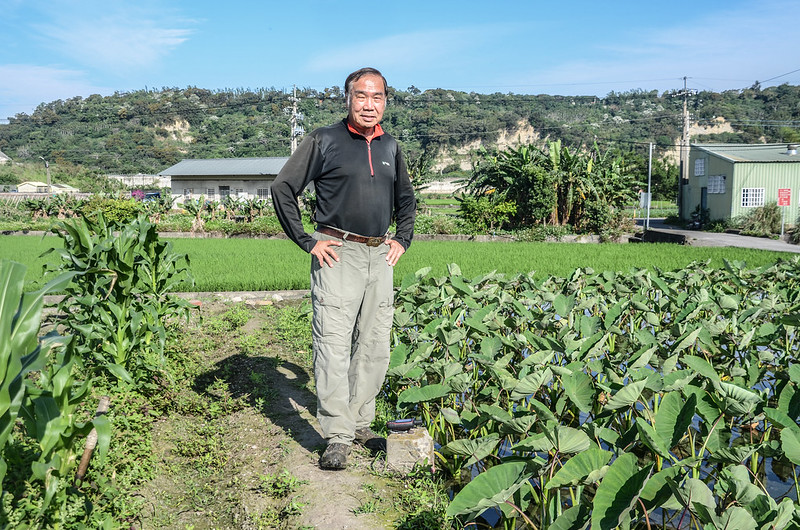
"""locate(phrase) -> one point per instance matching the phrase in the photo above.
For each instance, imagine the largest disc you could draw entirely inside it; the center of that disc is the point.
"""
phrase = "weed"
(368, 506)
(280, 485)
(250, 345)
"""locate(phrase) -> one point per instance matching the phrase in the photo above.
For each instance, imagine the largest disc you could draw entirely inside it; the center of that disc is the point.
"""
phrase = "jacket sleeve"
(300, 170)
(405, 204)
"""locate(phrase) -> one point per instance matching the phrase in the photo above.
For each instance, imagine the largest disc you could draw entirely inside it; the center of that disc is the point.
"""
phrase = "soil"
(213, 468)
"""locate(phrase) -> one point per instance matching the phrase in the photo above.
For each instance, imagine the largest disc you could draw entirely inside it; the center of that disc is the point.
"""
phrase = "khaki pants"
(353, 312)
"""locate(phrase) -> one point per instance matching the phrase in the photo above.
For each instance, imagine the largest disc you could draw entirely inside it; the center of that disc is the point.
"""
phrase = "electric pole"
(683, 179)
(294, 117)
(47, 168)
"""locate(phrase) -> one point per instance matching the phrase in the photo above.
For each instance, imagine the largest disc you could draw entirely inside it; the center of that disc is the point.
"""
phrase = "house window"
(700, 167)
(262, 193)
(210, 193)
(188, 192)
(224, 191)
(239, 192)
(752, 197)
(716, 184)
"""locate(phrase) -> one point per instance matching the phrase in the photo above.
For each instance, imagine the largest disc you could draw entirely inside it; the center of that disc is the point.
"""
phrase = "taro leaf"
(626, 396)
(399, 355)
(491, 345)
(642, 357)
(727, 301)
(701, 366)
(583, 468)
(674, 417)
(678, 379)
(578, 387)
(401, 318)
(794, 373)
(520, 425)
(790, 443)
(693, 492)
(542, 410)
(781, 419)
(733, 455)
(408, 371)
(497, 413)
(735, 480)
(613, 314)
(737, 518)
(739, 401)
(650, 437)
(476, 450)
(450, 415)
(559, 438)
(618, 492)
(563, 304)
(686, 340)
(489, 489)
(529, 384)
(453, 269)
(657, 492)
(417, 394)
(574, 518)
(461, 285)
(706, 406)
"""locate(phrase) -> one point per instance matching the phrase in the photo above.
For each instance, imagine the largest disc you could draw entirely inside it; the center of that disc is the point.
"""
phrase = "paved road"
(710, 239)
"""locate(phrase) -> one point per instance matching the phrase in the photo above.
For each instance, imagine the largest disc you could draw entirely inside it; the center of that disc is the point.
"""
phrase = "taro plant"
(119, 301)
(609, 399)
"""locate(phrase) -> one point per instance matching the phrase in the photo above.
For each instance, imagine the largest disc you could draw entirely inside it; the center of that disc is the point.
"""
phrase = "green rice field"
(275, 264)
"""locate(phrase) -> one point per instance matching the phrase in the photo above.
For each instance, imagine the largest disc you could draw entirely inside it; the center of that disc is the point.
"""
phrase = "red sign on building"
(784, 197)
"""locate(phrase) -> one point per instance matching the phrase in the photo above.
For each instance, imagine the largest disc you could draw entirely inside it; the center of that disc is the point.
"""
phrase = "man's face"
(367, 103)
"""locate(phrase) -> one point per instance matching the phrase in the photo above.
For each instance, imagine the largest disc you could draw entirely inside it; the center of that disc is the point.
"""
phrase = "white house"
(217, 178)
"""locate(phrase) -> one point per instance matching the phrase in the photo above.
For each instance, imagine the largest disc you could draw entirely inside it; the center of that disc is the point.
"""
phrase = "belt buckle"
(374, 241)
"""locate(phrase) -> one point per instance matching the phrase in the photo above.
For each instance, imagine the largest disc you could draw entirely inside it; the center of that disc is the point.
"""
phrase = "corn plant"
(119, 301)
(608, 399)
(48, 403)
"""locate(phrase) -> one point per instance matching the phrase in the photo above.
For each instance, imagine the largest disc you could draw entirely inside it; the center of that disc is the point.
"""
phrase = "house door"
(703, 199)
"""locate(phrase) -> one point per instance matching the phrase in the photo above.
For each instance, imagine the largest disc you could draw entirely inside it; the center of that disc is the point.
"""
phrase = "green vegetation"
(146, 131)
(616, 400)
(273, 264)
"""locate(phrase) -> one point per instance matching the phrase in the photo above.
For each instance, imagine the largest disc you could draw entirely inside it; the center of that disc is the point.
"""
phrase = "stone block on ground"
(404, 450)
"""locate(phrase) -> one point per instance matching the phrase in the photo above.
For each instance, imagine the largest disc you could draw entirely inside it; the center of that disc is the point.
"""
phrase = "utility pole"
(295, 129)
(683, 179)
(47, 167)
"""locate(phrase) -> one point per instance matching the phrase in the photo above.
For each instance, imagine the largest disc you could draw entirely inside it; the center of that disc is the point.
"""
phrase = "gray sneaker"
(366, 437)
(335, 456)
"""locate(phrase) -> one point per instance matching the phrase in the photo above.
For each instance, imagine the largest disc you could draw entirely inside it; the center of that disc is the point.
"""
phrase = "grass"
(275, 264)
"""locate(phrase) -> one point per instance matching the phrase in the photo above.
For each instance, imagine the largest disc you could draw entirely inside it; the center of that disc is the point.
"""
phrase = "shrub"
(543, 233)
(116, 211)
(762, 221)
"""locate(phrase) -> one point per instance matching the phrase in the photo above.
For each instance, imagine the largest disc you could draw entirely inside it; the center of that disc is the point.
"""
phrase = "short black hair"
(358, 74)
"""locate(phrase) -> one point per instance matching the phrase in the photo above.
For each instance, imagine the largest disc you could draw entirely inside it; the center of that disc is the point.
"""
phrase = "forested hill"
(146, 131)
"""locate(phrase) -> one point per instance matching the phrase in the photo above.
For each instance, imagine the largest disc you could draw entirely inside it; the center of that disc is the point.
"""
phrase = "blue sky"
(58, 49)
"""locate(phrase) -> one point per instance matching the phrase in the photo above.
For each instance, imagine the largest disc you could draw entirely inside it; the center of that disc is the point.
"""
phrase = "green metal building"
(732, 179)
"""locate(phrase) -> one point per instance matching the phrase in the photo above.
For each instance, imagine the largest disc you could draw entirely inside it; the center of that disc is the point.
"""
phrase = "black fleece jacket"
(360, 185)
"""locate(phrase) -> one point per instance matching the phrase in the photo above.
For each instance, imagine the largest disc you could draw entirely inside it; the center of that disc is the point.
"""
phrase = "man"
(361, 183)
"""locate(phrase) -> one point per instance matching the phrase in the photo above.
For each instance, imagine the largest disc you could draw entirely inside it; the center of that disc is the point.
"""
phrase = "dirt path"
(253, 463)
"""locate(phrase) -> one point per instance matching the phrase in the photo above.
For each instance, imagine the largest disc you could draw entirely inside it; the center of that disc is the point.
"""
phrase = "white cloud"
(122, 38)
(24, 87)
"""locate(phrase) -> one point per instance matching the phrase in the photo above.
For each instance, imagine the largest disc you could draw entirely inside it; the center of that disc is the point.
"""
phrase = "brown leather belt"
(369, 241)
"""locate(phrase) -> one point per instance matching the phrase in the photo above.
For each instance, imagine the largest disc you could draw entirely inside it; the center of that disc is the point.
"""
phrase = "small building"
(32, 186)
(217, 178)
(731, 179)
(41, 187)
